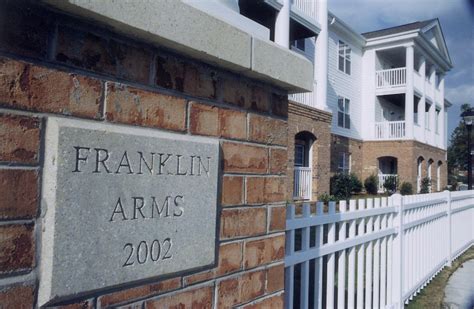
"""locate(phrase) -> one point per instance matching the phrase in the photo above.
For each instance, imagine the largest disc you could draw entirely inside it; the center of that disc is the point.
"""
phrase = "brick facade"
(353, 147)
(52, 64)
(364, 158)
(303, 118)
(407, 154)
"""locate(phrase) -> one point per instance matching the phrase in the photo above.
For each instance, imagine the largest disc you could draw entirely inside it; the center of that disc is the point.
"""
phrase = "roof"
(398, 29)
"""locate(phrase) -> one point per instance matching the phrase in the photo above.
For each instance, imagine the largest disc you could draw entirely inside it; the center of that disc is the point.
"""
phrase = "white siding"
(342, 84)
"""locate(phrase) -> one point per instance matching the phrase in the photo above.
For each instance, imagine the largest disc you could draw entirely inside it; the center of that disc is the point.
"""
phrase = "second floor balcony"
(391, 78)
(389, 130)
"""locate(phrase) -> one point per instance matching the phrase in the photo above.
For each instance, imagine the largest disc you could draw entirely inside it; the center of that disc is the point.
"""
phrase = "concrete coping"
(196, 34)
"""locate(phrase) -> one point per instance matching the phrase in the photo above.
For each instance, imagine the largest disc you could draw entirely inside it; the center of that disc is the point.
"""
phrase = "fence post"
(450, 229)
(397, 200)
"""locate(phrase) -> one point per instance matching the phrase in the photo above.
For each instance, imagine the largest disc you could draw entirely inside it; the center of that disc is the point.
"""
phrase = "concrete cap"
(191, 32)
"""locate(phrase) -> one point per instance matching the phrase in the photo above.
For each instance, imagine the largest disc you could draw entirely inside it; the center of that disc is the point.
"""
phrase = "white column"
(442, 121)
(432, 113)
(409, 100)
(422, 102)
(282, 25)
(321, 56)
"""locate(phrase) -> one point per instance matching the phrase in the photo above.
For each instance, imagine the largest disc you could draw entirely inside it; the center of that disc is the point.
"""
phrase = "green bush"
(406, 188)
(390, 185)
(325, 198)
(371, 184)
(341, 186)
(425, 185)
(356, 184)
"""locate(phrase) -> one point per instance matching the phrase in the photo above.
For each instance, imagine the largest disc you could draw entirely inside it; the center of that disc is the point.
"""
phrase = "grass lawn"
(433, 294)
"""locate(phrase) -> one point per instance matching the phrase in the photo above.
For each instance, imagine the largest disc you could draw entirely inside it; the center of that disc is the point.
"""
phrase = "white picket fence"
(374, 253)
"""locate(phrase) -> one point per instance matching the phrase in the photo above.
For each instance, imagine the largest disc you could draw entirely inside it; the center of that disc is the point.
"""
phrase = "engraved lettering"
(79, 158)
(145, 252)
(178, 211)
(192, 166)
(118, 210)
(162, 163)
(154, 205)
(150, 166)
(167, 254)
(178, 167)
(136, 202)
(128, 262)
(126, 164)
(206, 170)
(142, 246)
(155, 250)
(98, 159)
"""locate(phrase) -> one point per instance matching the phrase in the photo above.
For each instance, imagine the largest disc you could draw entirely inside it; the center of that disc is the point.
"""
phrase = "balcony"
(302, 184)
(307, 7)
(389, 130)
(306, 98)
(391, 78)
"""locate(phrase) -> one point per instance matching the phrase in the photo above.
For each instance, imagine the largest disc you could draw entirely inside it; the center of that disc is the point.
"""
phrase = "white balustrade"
(390, 130)
(391, 78)
(302, 183)
(387, 249)
(306, 98)
(308, 7)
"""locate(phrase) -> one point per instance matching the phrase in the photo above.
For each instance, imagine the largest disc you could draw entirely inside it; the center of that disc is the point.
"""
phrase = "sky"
(457, 22)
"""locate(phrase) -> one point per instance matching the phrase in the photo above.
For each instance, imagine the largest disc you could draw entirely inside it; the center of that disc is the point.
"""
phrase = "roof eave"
(343, 27)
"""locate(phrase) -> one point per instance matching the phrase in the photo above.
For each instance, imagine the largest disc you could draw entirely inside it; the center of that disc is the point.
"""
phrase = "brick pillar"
(162, 92)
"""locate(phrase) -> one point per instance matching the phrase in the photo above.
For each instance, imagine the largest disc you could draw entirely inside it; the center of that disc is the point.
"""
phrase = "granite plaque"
(123, 204)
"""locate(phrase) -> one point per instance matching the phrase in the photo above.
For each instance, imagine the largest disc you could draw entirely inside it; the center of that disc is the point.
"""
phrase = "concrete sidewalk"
(459, 292)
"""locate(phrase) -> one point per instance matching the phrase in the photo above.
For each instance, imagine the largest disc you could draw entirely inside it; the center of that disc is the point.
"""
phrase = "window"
(344, 163)
(415, 113)
(300, 44)
(427, 116)
(299, 154)
(343, 113)
(438, 112)
(344, 58)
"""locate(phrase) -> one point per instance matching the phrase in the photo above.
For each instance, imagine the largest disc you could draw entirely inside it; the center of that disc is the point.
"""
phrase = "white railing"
(382, 178)
(306, 98)
(390, 78)
(306, 6)
(386, 249)
(302, 183)
(390, 130)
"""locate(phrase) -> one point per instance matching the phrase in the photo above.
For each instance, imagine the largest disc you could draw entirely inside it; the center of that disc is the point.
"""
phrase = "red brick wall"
(303, 118)
(55, 65)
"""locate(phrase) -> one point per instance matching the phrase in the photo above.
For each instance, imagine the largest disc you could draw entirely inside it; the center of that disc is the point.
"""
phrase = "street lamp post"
(468, 117)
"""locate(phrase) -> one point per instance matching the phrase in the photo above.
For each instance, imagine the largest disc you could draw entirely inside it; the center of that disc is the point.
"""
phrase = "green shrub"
(326, 198)
(371, 184)
(425, 185)
(341, 186)
(406, 188)
(356, 184)
(390, 185)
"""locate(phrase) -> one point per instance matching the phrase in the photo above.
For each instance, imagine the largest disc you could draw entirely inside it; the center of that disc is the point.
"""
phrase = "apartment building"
(377, 105)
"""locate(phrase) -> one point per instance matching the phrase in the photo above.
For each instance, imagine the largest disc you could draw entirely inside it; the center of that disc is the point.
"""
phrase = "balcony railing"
(307, 7)
(390, 130)
(302, 184)
(307, 98)
(382, 178)
(390, 78)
